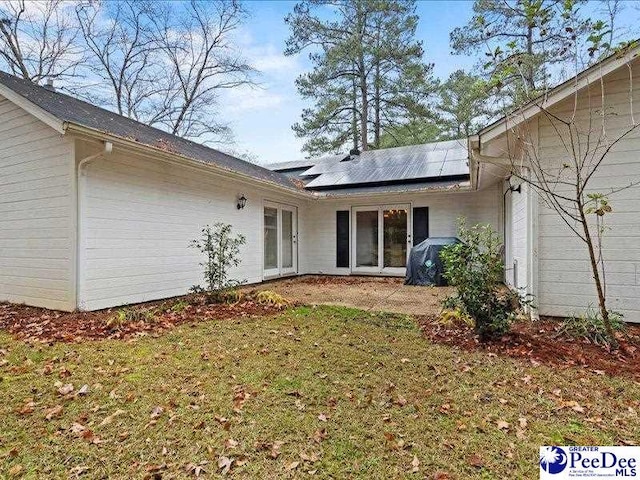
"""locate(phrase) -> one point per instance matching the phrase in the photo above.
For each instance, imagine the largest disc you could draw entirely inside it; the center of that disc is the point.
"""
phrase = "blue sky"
(261, 118)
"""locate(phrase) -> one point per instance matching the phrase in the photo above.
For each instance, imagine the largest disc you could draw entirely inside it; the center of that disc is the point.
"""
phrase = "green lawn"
(329, 392)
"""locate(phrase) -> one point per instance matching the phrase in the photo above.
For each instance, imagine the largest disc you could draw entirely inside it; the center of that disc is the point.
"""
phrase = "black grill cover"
(425, 266)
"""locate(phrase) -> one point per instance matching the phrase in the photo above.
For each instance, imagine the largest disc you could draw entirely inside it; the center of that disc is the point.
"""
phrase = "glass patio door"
(280, 240)
(380, 238)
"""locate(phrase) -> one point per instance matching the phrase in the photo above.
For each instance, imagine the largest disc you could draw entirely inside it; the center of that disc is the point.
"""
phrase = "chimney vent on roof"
(49, 85)
(354, 153)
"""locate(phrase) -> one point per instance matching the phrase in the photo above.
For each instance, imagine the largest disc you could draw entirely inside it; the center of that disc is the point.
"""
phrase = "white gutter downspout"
(80, 175)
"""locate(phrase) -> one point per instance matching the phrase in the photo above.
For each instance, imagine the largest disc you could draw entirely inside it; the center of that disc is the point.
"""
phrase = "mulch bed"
(34, 324)
(540, 343)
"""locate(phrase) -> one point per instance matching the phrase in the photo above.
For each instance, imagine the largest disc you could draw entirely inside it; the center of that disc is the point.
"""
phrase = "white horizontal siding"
(444, 210)
(36, 211)
(139, 217)
(565, 282)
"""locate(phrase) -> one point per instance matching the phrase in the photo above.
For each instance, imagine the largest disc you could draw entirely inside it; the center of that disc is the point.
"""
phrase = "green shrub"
(179, 306)
(222, 251)
(590, 326)
(475, 268)
(127, 315)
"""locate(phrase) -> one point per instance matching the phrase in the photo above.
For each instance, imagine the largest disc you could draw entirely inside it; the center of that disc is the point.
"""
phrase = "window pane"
(395, 238)
(270, 238)
(367, 239)
(287, 239)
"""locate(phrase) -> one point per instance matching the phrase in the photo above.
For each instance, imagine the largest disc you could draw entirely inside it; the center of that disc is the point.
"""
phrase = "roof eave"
(557, 94)
(33, 109)
(145, 149)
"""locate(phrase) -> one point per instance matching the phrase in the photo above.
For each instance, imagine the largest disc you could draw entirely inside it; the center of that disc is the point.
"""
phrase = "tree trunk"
(364, 115)
(354, 117)
(376, 131)
(602, 300)
(530, 68)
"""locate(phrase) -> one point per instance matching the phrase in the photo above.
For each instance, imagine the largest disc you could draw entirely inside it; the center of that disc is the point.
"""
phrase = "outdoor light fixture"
(242, 201)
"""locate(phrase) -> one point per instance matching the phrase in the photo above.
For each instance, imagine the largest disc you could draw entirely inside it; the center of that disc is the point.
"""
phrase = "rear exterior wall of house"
(445, 208)
(566, 285)
(139, 216)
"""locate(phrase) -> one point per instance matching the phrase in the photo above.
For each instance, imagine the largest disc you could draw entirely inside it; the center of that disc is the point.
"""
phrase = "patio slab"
(368, 293)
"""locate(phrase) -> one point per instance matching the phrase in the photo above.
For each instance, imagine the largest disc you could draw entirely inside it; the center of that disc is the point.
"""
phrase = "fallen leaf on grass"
(275, 449)
(401, 401)
(230, 443)
(573, 405)
(224, 463)
(319, 435)
(156, 412)
(291, 466)
(107, 420)
(476, 461)
(83, 432)
(16, 470)
(197, 470)
(65, 389)
(415, 464)
(53, 412)
(309, 457)
(84, 390)
(322, 417)
(502, 425)
(441, 476)
(28, 407)
(523, 422)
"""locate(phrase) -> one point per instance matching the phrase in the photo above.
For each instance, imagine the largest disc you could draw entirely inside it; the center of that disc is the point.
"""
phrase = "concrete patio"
(368, 293)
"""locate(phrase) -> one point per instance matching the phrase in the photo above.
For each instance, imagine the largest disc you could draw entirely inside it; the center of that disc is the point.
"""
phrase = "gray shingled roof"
(71, 110)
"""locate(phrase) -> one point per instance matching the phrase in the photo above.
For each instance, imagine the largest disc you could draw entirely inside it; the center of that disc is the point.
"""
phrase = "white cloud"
(247, 99)
(268, 59)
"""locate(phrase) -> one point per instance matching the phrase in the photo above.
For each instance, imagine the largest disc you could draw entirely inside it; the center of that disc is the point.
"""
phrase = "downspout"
(107, 149)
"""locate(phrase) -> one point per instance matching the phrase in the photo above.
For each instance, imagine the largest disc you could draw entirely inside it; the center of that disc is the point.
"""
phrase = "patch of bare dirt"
(42, 325)
(540, 343)
(387, 294)
(347, 280)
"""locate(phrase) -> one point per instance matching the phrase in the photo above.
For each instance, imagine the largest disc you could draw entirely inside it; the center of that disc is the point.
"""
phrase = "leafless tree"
(564, 180)
(201, 61)
(38, 40)
(123, 57)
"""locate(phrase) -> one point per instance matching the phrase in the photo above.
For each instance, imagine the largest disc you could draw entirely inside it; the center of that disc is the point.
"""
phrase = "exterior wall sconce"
(242, 201)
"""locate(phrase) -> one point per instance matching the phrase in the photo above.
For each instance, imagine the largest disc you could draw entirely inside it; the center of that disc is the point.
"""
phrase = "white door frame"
(293, 269)
(380, 268)
(280, 270)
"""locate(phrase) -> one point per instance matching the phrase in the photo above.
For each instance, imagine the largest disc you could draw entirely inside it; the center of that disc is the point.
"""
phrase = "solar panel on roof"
(430, 161)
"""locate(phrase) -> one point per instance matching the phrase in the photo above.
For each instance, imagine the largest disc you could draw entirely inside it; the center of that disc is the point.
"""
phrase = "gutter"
(338, 196)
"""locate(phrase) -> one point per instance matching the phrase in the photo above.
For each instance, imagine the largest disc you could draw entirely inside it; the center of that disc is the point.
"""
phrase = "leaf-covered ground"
(324, 392)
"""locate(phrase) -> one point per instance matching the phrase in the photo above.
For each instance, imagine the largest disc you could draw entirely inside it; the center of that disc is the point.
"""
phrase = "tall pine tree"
(368, 72)
(464, 105)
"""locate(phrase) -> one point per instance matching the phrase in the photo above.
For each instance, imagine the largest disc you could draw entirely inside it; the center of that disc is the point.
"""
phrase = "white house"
(97, 210)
